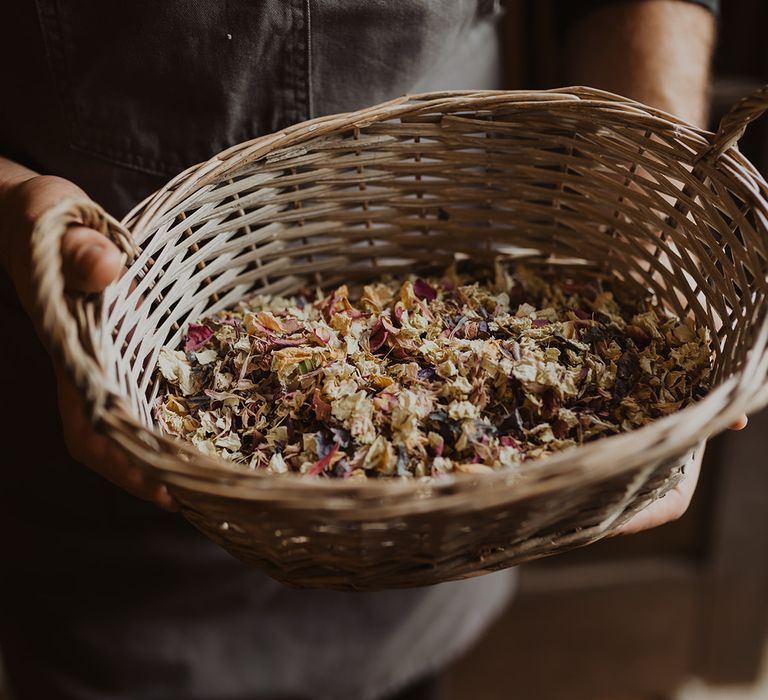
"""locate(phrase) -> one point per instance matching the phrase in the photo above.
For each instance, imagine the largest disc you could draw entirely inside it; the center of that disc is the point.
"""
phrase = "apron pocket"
(159, 86)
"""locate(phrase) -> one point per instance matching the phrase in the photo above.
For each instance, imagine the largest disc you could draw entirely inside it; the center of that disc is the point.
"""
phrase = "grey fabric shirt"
(105, 597)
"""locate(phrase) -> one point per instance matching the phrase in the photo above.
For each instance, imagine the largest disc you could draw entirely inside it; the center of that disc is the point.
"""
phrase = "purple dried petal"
(341, 469)
(197, 336)
(539, 322)
(424, 290)
(426, 372)
(323, 443)
(560, 429)
(580, 313)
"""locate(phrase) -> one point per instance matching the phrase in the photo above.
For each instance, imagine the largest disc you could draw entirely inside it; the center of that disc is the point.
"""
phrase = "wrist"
(12, 177)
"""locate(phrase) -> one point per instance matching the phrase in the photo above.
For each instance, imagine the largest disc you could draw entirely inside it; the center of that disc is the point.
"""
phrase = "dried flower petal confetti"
(424, 376)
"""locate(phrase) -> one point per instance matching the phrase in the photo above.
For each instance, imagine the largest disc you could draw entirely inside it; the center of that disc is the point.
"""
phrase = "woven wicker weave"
(577, 175)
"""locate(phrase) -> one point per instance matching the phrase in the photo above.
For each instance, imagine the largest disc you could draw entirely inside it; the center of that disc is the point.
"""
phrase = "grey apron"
(103, 596)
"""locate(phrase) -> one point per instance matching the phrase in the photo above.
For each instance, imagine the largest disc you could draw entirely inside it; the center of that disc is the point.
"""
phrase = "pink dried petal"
(329, 305)
(425, 310)
(197, 336)
(509, 441)
(261, 329)
(385, 401)
(356, 313)
(424, 290)
(378, 336)
(322, 336)
(288, 342)
(323, 462)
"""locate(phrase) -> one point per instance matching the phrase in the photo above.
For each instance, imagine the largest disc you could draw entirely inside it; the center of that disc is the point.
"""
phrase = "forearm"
(654, 51)
(12, 174)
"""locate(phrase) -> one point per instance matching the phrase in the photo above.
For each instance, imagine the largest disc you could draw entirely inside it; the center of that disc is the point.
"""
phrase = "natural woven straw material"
(575, 174)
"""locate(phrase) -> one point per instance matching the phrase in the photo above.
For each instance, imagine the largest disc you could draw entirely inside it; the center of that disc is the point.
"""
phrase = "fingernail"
(165, 500)
(86, 250)
(87, 257)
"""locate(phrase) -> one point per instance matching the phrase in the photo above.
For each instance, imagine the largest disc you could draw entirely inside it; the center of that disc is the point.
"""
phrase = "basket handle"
(59, 327)
(734, 122)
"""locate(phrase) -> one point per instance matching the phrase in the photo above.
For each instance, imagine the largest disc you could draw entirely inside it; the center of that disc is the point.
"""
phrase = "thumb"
(89, 260)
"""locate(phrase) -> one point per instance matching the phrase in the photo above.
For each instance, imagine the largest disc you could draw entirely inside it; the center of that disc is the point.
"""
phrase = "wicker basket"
(575, 175)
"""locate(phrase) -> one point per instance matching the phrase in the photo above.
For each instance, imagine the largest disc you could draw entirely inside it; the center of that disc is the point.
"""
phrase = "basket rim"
(690, 423)
(220, 164)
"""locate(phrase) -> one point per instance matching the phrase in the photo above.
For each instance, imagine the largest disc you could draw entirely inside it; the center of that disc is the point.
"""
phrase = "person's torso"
(119, 102)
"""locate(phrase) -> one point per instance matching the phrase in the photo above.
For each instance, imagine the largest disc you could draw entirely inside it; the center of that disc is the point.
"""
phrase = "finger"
(671, 506)
(98, 453)
(163, 498)
(89, 260)
(740, 423)
(666, 509)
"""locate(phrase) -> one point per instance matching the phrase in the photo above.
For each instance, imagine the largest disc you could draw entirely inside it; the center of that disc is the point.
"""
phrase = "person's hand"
(89, 262)
(676, 501)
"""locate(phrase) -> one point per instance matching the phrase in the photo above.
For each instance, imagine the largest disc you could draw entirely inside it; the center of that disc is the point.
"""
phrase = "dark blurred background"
(637, 618)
